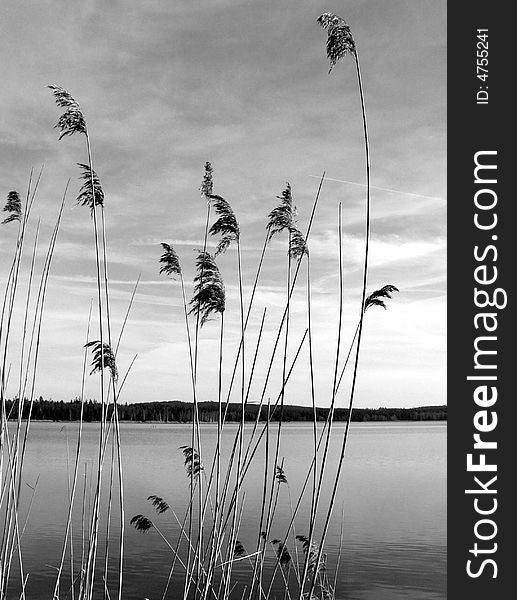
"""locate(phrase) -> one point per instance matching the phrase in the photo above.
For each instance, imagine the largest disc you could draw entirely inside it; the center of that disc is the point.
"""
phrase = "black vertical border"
(472, 128)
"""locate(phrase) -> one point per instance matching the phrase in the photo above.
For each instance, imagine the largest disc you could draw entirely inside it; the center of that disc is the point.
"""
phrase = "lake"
(392, 496)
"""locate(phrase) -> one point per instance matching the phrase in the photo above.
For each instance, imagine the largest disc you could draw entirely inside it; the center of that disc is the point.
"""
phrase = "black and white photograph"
(223, 278)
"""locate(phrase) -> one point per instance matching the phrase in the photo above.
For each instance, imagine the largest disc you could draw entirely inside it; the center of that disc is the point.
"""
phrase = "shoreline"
(309, 423)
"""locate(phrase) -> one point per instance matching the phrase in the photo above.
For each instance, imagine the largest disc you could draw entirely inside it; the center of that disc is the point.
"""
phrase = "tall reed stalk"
(206, 190)
(92, 195)
(281, 218)
(313, 391)
(209, 298)
(227, 227)
(340, 43)
(14, 449)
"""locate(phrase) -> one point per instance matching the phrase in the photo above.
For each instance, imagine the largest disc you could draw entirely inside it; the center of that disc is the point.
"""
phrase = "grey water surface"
(392, 497)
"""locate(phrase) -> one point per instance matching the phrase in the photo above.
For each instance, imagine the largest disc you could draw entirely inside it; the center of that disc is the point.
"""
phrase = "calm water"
(393, 494)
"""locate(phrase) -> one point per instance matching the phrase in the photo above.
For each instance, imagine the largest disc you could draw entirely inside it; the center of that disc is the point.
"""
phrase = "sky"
(166, 86)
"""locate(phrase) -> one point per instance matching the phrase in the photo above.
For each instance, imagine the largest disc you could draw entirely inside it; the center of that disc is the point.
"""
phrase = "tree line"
(181, 412)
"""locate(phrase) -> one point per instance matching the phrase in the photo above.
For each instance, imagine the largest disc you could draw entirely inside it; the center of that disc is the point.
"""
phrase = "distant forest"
(181, 412)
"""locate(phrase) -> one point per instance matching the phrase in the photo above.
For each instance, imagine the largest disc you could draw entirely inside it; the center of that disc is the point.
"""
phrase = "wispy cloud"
(382, 189)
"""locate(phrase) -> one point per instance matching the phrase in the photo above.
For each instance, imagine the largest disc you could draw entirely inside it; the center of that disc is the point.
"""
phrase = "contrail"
(375, 187)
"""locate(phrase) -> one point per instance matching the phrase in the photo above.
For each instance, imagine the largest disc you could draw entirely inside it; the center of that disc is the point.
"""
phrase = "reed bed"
(289, 562)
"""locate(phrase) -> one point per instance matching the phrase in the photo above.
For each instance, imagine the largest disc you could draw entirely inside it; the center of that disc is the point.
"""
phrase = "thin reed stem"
(94, 531)
(77, 459)
(361, 318)
(196, 432)
(333, 400)
(313, 393)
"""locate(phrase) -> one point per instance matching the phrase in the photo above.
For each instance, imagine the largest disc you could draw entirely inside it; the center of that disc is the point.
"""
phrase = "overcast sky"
(168, 85)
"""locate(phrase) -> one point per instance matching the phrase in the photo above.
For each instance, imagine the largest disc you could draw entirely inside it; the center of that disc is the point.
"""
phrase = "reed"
(209, 298)
(340, 43)
(206, 190)
(91, 195)
(227, 227)
(72, 121)
(13, 206)
(13, 445)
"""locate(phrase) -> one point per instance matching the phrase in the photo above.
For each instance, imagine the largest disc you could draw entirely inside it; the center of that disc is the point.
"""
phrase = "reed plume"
(226, 225)
(207, 185)
(282, 552)
(91, 193)
(339, 37)
(209, 293)
(192, 461)
(280, 475)
(310, 550)
(13, 206)
(378, 297)
(282, 216)
(170, 261)
(160, 505)
(141, 523)
(103, 358)
(72, 120)
(238, 550)
(297, 244)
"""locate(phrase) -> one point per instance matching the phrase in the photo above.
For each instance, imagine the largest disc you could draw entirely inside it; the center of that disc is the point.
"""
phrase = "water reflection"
(393, 495)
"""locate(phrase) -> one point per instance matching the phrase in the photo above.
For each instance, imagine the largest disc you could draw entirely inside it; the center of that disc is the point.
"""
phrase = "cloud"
(167, 86)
